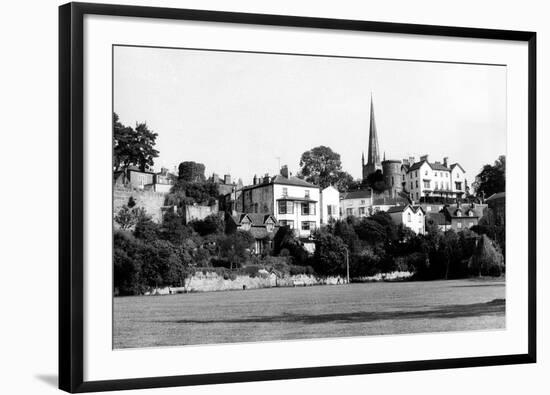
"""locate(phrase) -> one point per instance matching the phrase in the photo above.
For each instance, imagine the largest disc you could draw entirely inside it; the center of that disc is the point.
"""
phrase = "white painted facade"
(297, 207)
(434, 180)
(330, 205)
(413, 219)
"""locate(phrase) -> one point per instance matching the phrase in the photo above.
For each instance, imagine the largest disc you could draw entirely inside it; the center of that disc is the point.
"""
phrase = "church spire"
(373, 155)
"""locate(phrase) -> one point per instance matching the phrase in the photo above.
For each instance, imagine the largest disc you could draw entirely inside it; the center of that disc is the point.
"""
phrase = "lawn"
(309, 312)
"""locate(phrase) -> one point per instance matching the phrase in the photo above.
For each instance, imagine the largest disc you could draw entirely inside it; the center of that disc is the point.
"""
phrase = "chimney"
(266, 178)
(406, 162)
(254, 180)
(284, 171)
(446, 161)
(424, 157)
(215, 178)
(227, 179)
(411, 160)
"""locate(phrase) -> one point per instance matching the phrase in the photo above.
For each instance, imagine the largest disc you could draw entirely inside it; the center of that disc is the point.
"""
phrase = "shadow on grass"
(494, 307)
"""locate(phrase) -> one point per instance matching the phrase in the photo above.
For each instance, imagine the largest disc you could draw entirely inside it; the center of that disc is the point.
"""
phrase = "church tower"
(373, 154)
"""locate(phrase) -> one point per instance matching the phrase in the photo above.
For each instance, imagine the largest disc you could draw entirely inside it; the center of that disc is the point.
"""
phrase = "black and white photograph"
(277, 196)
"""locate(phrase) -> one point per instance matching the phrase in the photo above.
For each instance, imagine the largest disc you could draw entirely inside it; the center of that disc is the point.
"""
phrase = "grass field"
(309, 312)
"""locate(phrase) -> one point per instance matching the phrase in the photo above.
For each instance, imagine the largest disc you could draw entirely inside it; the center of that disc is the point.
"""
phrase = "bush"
(212, 224)
(487, 259)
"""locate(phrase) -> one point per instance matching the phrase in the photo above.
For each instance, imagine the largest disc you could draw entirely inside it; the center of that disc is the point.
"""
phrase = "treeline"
(148, 255)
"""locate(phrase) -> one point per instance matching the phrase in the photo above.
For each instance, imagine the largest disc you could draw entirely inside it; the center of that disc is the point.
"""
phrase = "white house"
(291, 200)
(413, 217)
(330, 205)
(424, 179)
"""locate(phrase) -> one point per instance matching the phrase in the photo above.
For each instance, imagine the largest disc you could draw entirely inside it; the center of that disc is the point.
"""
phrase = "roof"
(384, 201)
(455, 165)
(451, 211)
(498, 195)
(399, 209)
(362, 194)
(439, 166)
(437, 218)
(255, 219)
(434, 166)
(292, 180)
(281, 180)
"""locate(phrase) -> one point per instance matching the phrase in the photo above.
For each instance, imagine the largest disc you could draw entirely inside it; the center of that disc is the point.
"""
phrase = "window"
(435, 173)
(471, 213)
(286, 207)
(458, 213)
(308, 225)
(426, 173)
(362, 202)
(427, 184)
(436, 185)
(307, 193)
(392, 182)
(446, 175)
(403, 177)
(285, 192)
(288, 223)
(269, 227)
(361, 210)
(458, 185)
(329, 210)
(255, 207)
(417, 183)
(306, 209)
(459, 225)
(457, 175)
(349, 211)
(416, 195)
(411, 185)
(441, 174)
(409, 217)
(245, 225)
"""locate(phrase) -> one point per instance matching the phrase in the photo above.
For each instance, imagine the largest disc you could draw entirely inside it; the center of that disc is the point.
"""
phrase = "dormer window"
(458, 213)
(471, 213)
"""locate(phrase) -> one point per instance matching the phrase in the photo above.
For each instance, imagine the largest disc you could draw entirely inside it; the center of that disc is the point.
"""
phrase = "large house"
(456, 217)
(424, 179)
(412, 217)
(291, 200)
(146, 180)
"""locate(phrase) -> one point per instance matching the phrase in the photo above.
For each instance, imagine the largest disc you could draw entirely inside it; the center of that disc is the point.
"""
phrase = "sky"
(244, 113)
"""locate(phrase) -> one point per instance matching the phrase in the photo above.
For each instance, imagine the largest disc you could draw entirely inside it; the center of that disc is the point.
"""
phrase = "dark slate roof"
(396, 209)
(434, 166)
(439, 166)
(438, 218)
(255, 219)
(297, 199)
(416, 165)
(362, 194)
(498, 195)
(451, 211)
(292, 180)
(456, 164)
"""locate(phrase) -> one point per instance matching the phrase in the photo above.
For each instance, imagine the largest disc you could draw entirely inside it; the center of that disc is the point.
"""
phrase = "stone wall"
(211, 281)
(198, 212)
(151, 201)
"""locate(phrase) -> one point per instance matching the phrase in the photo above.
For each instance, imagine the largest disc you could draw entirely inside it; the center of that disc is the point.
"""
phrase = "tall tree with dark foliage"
(492, 179)
(133, 147)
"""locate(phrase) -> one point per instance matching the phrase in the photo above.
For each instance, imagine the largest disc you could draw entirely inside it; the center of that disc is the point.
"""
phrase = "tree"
(487, 259)
(322, 166)
(491, 179)
(330, 253)
(285, 239)
(133, 147)
(376, 181)
(127, 217)
(212, 224)
(191, 171)
(235, 247)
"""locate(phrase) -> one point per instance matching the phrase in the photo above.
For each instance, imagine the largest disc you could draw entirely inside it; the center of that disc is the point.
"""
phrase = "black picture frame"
(71, 195)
